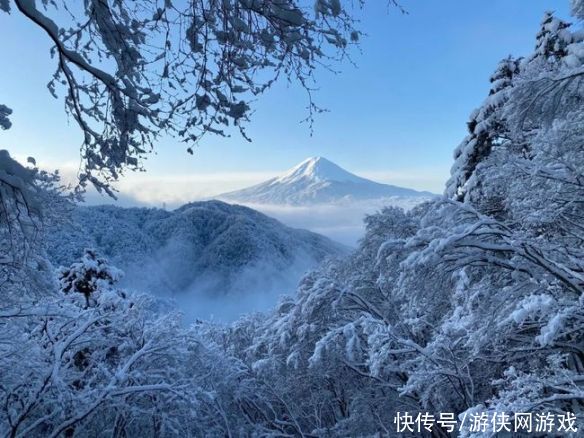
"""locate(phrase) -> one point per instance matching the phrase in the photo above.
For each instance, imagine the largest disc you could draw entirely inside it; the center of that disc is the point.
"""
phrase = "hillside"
(204, 247)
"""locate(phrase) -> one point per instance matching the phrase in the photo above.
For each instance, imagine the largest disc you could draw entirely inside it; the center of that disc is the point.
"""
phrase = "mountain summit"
(317, 180)
(318, 169)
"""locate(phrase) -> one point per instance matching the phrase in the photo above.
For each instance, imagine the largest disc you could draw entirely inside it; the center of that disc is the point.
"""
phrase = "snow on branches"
(466, 304)
(132, 71)
(88, 276)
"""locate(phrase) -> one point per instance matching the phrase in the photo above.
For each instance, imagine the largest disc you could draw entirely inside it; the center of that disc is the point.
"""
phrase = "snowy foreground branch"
(133, 71)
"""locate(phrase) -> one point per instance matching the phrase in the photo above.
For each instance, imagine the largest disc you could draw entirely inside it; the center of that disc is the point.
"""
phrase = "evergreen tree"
(87, 276)
(553, 38)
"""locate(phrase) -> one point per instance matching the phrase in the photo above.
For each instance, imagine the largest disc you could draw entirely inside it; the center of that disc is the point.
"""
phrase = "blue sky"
(396, 117)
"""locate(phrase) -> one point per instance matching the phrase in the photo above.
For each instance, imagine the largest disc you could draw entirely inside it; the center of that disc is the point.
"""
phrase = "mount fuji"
(317, 180)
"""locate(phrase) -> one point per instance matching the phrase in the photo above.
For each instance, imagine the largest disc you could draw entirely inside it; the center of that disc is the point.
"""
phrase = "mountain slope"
(317, 180)
(208, 247)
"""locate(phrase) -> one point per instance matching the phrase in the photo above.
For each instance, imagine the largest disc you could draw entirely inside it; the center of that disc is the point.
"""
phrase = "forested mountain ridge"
(206, 246)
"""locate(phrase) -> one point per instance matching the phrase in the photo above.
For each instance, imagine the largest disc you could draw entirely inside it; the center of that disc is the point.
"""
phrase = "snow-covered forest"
(471, 303)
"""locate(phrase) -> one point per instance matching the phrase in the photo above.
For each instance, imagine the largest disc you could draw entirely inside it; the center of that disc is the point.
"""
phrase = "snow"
(578, 9)
(317, 169)
(471, 306)
(317, 180)
(203, 251)
(535, 304)
(550, 331)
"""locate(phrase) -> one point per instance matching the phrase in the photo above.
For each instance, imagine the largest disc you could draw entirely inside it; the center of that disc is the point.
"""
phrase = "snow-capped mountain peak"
(317, 180)
(317, 169)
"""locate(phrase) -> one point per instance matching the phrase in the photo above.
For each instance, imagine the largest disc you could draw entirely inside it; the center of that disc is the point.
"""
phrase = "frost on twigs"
(19, 209)
(132, 71)
(28, 197)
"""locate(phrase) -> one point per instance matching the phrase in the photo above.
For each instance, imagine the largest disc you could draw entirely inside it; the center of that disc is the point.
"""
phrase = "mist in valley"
(211, 295)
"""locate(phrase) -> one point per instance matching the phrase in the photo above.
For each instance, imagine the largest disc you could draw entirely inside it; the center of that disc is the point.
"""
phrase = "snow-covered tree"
(78, 371)
(487, 130)
(470, 303)
(553, 38)
(19, 208)
(578, 9)
(88, 276)
(31, 201)
(465, 304)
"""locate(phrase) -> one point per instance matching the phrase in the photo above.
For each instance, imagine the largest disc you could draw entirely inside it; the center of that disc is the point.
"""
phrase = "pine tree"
(486, 129)
(553, 38)
(88, 275)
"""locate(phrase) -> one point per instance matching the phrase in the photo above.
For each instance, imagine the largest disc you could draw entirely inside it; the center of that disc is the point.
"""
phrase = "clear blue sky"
(397, 116)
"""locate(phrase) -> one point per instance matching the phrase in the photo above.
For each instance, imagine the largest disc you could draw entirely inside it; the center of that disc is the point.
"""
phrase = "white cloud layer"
(340, 222)
(174, 190)
(431, 179)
